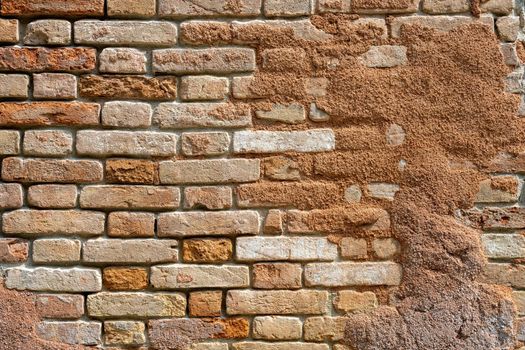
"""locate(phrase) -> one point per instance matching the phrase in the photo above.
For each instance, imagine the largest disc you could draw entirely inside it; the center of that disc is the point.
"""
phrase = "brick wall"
(157, 192)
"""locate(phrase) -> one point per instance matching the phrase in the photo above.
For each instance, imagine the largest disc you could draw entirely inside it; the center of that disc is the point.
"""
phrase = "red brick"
(13, 250)
(49, 113)
(53, 7)
(60, 305)
(39, 59)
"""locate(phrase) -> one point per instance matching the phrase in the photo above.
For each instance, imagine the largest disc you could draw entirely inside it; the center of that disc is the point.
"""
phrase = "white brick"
(48, 32)
(53, 251)
(123, 114)
(44, 279)
(201, 88)
(504, 246)
(14, 86)
(344, 274)
(58, 86)
(122, 60)
(73, 333)
(183, 276)
(285, 248)
(131, 251)
(209, 171)
(48, 143)
(318, 140)
(383, 190)
(9, 142)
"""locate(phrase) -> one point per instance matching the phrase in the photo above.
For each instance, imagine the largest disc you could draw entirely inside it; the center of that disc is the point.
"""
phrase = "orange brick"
(39, 59)
(205, 304)
(53, 8)
(125, 278)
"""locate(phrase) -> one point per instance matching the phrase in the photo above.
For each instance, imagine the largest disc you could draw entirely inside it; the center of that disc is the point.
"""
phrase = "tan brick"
(350, 301)
(202, 88)
(281, 168)
(67, 306)
(74, 333)
(48, 32)
(508, 27)
(504, 246)
(123, 33)
(324, 328)
(54, 86)
(136, 305)
(49, 113)
(8, 30)
(133, 171)
(333, 6)
(126, 114)
(353, 248)
(131, 9)
(48, 143)
(499, 7)
(285, 248)
(75, 280)
(385, 6)
(129, 251)
(211, 346)
(122, 60)
(208, 223)
(289, 114)
(209, 171)
(315, 140)
(273, 224)
(52, 196)
(445, 6)
(11, 196)
(53, 222)
(53, 8)
(205, 304)
(277, 276)
(126, 143)
(505, 274)
(386, 248)
(207, 250)
(277, 328)
(440, 23)
(9, 142)
(205, 143)
(277, 302)
(131, 225)
(124, 333)
(209, 198)
(39, 59)
(56, 251)
(14, 86)
(179, 276)
(51, 170)
(286, 8)
(208, 8)
(510, 55)
(343, 274)
(128, 87)
(385, 56)
(201, 61)
(125, 278)
(130, 197)
(249, 345)
(201, 115)
(13, 250)
(519, 301)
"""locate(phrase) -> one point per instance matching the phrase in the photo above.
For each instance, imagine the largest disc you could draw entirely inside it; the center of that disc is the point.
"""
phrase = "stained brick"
(52, 196)
(209, 198)
(13, 250)
(60, 305)
(48, 32)
(183, 276)
(129, 197)
(277, 302)
(127, 333)
(199, 115)
(208, 8)
(74, 333)
(209, 171)
(125, 251)
(277, 276)
(352, 274)
(503, 218)
(205, 143)
(205, 304)
(130, 225)
(207, 250)
(49, 113)
(51, 170)
(53, 8)
(39, 59)
(350, 301)
(55, 143)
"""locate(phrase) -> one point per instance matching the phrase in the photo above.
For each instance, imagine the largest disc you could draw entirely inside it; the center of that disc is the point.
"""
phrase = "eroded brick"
(52, 196)
(127, 333)
(205, 143)
(350, 301)
(352, 274)
(205, 304)
(58, 86)
(131, 225)
(208, 8)
(202, 88)
(209, 198)
(9, 142)
(207, 250)
(15, 86)
(8, 30)
(131, 9)
(123, 114)
(13, 250)
(277, 276)
(48, 32)
(49, 113)
(129, 197)
(67, 306)
(74, 333)
(133, 171)
(286, 8)
(181, 276)
(39, 59)
(284, 248)
(122, 60)
(125, 278)
(51, 170)
(55, 143)
(11, 196)
(200, 115)
(53, 8)
(130, 251)
(277, 302)
(321, 140)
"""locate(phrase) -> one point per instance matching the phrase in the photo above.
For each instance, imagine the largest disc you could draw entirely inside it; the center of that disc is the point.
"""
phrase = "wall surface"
(262, 175)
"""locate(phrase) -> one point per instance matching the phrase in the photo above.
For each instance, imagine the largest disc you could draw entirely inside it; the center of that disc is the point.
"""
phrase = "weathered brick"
(505, 274)
(74, 333)
(277, 302)
(208, 8)
(13, 250)
(9, 142)
(205, 304)
(51, 170)
(126, 143)
(206, 32)
(125, 278)
(395, 135)
(133, 171)
(56, 251)
(208, 223)
(273, 223)
(14, 86)
(324, 328)
(48, 143)
(277, 276)
(125, 251)
(49, 113)
(285, 248)
(320, 140)
(499, 7)
(131, 9)
(211, 346)
(285, 59)
(125, 33)
(123, 114)
(58, 86)
(508, 27)
(504, 246)
(519, 301)
(131, 225)
(11, 196)
(277, 328)
(353, 248)
(48, 32)
(209, 171)
(181, 276)
(385, 6)
(503, 218)
(123, 87)
(333, 6)
(39, 59)
(53, 8)
(381, 190)
(446, 6)
(202, 88)
(352, 274)
(127, 333)
(353, 194)
(350, 301)
(45, 279)
(136, 305)
(289, 114)
(207, 250)
(510, 55)
(130, 197)
(440, 23)
(385, 56)
(209, 198)
(122, 60)
(281, 168)
(386, 248)
(201, 61)
(53, 222)
(199, 115)
(68, 306)
(249, 345)
(8, 30)
(286, 8)
(205, 143)
(52, 196)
